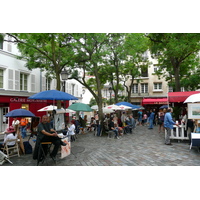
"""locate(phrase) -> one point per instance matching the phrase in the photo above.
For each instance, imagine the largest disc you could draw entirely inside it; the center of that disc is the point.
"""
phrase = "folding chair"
(4, 158)
(12, 150)
(44, 150)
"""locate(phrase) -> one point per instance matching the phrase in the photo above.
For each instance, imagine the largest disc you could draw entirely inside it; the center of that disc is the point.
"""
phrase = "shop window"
(23, 82)
(25, 106)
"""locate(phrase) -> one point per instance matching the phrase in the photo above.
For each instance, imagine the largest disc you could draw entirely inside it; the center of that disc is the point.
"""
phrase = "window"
(182, 89)
(144, 72)
(170, 89)
(135, 88)
(73, 89)
(48, 83)
(23, 82)
(1, 78)
(1, 42)
(155, 67)
(144, 88)
(157, 86)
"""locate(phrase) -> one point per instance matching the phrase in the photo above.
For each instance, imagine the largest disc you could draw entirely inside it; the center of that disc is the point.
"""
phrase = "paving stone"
(143, 148)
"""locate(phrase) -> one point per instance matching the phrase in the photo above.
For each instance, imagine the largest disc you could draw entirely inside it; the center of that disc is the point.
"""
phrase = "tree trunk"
(177, 78)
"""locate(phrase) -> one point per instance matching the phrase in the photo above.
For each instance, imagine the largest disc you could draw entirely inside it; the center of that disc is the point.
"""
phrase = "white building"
(17, 83)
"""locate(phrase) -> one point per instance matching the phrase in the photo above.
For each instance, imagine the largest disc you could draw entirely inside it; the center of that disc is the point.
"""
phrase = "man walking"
(151, 118)
(168, 124)
(132, 123)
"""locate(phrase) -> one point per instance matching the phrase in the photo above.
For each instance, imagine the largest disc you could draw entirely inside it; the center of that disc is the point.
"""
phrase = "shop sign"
(24, 100)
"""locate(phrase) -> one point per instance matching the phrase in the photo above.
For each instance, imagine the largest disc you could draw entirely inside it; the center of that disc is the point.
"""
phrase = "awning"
(180, 96)
(155, 101)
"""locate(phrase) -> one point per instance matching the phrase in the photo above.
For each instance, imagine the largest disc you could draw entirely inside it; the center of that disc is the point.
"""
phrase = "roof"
(180, 96)
(155, 101)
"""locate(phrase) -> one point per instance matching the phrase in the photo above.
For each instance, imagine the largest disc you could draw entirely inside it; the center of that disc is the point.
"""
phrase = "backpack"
(27, 147)
(23, 122)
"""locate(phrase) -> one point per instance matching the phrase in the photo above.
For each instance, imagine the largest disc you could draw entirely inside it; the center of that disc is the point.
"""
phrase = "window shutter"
(70, 88)
(76, 93)
(67, 87)
(10, 79)
(43, 83)
(53, 84)
(32, 83)
(17, 80)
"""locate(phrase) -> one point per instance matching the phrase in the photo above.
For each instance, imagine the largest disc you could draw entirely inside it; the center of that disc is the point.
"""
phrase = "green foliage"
(177, 55)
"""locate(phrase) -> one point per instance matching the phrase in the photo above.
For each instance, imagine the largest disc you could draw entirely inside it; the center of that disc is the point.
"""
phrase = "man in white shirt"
(9, 135)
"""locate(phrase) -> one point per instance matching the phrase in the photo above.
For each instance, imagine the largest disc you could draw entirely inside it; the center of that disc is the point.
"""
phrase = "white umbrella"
(123, 107)
(114, 107)
(95, 107)
(193, 98)
(48, 108)
(107, 110)
(70, 111)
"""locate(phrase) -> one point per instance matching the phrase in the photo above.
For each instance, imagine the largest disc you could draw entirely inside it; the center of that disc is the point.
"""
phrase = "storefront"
(180, 97)
(8, 103)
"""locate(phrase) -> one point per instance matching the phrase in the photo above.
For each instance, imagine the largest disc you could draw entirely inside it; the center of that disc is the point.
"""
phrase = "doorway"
(3, 120)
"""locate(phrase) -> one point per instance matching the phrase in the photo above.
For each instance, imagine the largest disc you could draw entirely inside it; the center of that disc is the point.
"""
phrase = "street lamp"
(110, 91)
(64, 77)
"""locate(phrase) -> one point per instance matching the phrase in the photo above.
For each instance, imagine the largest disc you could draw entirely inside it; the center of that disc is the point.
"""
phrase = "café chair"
(12, 150)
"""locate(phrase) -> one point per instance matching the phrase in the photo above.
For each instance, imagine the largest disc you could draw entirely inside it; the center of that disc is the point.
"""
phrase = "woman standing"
(161, 122)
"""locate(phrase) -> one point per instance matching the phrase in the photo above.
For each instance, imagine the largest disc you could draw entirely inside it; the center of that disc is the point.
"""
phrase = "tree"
(89, 51)
(136, 44)
(176, 53)
(47, 51)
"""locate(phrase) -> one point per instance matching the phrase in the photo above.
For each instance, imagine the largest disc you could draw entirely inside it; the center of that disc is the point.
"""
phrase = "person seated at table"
(127, 124)
(47, 134)
(114, 128)
(92, 124)
(198, 128)
(10, 134)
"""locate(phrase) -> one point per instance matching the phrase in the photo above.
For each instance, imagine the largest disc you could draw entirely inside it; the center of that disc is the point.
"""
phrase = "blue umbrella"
(164, 106)
(128, 104)
(20, 113)
(53, 95)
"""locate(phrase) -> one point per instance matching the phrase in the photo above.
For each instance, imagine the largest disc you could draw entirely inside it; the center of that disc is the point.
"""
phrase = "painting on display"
(59, 121)
(66, 150)
(193, 110)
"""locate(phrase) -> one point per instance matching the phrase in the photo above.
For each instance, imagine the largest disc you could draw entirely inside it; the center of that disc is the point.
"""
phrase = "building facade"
(151, 89)
(17, 83)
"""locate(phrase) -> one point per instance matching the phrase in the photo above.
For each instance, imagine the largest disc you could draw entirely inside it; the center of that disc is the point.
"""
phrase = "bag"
(160, 121)
(27, 147)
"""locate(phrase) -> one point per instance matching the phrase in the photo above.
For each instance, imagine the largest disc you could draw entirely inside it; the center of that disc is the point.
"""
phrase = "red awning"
(155, 101)
(180, 96)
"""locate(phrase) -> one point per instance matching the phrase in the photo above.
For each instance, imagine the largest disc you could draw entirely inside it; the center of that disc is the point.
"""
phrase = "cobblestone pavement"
(145, 147)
